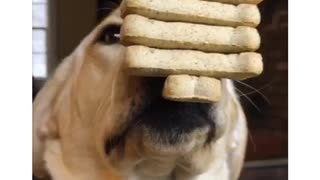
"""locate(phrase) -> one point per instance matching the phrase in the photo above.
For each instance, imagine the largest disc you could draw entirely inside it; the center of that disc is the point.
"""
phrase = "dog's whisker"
(253, 92)
(256, 90)
(260, 88)
(252, 140)
(248, 99)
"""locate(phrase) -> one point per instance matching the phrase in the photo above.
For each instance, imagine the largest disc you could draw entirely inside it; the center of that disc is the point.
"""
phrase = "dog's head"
(94, 120)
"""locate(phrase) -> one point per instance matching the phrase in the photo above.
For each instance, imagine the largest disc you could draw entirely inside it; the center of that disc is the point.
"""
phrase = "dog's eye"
(111, 34)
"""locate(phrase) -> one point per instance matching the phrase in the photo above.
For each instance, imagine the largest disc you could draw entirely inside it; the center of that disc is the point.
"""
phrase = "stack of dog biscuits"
(194, 43)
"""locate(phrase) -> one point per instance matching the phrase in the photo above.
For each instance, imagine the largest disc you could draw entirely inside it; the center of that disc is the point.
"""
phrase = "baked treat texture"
(139, 30)
(187, 88)
(145, 61)
(194, 11)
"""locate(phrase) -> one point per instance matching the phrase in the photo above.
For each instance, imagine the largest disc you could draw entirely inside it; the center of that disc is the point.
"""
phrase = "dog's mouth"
(162, 124)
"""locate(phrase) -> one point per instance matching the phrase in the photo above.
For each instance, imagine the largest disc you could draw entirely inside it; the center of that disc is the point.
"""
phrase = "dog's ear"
(82, 80)
(44, 124)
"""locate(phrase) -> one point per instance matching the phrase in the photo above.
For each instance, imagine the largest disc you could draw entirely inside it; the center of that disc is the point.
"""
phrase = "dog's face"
(92, 120)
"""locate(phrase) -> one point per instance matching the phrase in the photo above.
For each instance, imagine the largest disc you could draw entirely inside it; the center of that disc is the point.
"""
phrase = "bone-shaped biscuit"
(194, 11)
(145, 61)
(140, 30)
(187, 88)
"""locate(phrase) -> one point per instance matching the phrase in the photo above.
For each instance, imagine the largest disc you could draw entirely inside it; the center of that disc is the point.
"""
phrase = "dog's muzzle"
(167, 123)
(161, 132)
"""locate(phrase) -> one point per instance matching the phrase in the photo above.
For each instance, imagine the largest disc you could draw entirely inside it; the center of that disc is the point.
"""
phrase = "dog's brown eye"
(111, 34)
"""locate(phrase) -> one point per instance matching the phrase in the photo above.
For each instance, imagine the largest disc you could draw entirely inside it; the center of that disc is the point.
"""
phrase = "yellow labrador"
(92, 121)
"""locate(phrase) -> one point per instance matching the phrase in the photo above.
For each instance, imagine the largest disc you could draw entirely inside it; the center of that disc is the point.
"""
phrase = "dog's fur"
(93, 121)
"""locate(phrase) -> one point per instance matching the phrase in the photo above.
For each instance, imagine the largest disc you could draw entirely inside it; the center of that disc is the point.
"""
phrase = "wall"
(269, 126)
(69, 22)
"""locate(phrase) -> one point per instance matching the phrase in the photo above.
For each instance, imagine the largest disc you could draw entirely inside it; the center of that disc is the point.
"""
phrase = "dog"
(93, 121)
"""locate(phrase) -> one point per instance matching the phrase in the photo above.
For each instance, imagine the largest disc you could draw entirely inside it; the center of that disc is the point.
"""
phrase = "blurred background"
(58, 27)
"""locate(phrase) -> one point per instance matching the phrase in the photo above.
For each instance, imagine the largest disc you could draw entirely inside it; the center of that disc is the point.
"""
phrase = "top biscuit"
(194, 11)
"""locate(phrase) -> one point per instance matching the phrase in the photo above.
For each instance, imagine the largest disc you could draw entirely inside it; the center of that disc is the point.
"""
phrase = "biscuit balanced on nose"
(187, 88)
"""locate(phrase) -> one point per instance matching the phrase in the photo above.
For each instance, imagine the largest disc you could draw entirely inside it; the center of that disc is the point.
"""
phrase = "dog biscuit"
(194, 11)
(187, 88)
(145, 61)
(174, 35)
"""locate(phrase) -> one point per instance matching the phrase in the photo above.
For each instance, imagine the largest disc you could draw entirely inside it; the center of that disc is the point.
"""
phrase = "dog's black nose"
(166, 116)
